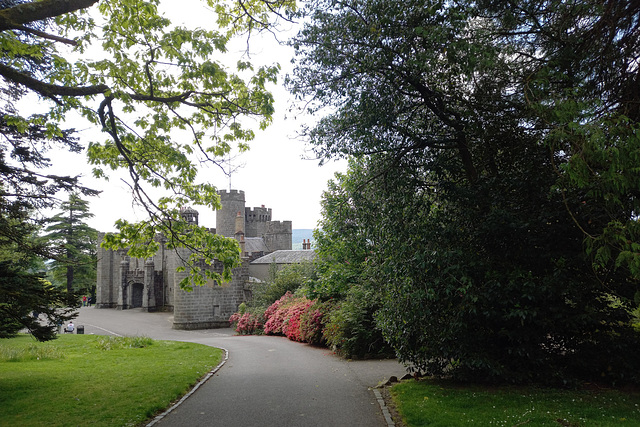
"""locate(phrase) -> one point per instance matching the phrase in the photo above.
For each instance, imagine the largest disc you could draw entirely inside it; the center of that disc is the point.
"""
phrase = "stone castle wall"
(209, 306)
(278, 235)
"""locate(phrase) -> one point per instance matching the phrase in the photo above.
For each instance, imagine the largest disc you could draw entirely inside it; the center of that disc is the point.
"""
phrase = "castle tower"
(232, 202)
(256, 220)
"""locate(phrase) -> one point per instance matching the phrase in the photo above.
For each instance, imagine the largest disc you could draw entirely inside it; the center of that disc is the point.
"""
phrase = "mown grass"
(92, 380)
(435, 403)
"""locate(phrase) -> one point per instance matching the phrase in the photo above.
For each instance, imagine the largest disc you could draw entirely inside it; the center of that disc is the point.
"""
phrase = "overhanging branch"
(24, 13)
(46, 89)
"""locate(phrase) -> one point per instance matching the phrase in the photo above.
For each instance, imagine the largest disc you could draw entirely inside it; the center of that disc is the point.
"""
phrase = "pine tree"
(75, 245)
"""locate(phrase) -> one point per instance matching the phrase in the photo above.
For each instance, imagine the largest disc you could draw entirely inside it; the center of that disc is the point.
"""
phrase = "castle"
(153, 284)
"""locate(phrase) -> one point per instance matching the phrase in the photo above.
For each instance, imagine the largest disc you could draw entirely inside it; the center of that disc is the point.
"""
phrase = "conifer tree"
(74, 245)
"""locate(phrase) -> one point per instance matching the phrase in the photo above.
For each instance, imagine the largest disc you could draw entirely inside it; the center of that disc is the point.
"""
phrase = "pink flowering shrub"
(283, 316)
(313, 322)
(247, 323)
(276, 313)
(292, 325)
(297, 318)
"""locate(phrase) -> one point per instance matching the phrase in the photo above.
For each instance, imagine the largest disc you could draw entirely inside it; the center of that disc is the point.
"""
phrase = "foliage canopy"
(492, 191)
(161, 93)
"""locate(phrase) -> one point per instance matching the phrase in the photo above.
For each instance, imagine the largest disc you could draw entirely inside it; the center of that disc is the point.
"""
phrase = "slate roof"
(286, 257)
(255, 244)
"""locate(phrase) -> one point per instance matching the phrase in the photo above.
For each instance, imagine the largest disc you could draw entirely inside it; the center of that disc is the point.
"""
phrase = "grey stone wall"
(278, 235)
(107, 276)
(208, 306)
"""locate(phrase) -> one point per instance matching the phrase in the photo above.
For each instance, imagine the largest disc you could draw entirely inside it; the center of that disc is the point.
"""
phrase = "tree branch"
(14, 17)
(46, 89)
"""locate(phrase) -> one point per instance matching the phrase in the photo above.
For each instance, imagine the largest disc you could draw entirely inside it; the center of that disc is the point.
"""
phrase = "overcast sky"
(276, 172)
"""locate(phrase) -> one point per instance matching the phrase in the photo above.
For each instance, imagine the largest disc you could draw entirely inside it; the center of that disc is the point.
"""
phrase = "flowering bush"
(247, 323)
(283, 316)
(275, 314)
(291, 327)
(313, 321)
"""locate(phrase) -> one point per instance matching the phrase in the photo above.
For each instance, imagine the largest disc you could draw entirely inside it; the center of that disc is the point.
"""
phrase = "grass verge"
(437, 403)
(95, 380)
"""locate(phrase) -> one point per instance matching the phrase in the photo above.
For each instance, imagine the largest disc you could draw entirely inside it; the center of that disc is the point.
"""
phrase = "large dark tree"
(27, 300)
(496, 181)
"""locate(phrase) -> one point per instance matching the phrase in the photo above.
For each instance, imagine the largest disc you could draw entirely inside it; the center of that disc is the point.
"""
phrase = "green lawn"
(93, 380)
(434, 403)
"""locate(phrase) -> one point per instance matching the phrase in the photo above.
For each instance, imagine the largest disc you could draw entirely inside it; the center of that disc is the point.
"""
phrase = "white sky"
(276, 171)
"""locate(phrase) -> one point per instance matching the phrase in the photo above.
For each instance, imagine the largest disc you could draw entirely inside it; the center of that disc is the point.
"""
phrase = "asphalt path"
(266, 381)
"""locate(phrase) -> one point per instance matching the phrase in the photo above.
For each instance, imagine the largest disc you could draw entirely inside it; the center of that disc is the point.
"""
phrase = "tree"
(493, 140)
(25, 295)
(159, 93)
(75, 243)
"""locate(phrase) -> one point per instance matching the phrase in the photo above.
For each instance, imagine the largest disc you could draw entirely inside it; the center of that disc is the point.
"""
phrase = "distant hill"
(298, 235)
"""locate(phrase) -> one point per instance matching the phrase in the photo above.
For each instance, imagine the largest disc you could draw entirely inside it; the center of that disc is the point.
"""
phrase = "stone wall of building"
(209, 306)
(278, 235)
(108, 272)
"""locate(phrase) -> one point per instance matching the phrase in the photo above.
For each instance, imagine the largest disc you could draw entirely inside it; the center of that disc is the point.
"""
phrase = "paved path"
(267, 381)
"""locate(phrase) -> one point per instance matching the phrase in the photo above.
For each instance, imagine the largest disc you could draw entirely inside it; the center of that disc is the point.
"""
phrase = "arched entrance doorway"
(136, 295)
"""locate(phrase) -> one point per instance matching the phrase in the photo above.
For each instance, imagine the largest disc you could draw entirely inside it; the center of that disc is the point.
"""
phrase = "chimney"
(240, 233)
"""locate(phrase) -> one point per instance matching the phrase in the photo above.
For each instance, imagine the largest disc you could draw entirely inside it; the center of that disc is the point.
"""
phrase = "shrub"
(350, 329)
(275, 314)
(284, 316)
(312, 322)
(291, 327)
(288, 279)
(247, 322)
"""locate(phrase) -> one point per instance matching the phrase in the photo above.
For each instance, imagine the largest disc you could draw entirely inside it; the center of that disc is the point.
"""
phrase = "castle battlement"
(261, 214)
(237, 195)
(280, 225)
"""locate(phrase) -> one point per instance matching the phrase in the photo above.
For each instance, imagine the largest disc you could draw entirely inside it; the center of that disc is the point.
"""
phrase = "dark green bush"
(351, 330)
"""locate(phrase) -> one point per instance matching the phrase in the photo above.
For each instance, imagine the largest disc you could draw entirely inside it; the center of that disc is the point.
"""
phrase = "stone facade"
(153, 284)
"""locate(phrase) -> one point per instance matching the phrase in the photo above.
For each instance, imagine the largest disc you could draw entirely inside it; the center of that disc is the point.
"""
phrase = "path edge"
(193, 390)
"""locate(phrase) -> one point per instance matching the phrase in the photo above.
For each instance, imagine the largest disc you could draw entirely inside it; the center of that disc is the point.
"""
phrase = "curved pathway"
(267, 381)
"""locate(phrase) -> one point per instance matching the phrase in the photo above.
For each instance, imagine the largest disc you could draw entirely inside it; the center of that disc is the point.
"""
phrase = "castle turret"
(256, 220)
(190, 215)
(232, 203)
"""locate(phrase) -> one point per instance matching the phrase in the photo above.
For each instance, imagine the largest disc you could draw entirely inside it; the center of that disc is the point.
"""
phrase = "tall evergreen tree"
(27, 300)
(74, 245)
